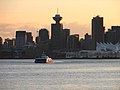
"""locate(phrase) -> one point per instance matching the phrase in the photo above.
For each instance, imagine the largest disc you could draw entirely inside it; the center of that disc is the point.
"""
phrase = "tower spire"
(57, 11)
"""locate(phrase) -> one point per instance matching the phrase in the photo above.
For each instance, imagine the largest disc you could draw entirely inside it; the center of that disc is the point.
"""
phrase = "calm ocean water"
(71, 74)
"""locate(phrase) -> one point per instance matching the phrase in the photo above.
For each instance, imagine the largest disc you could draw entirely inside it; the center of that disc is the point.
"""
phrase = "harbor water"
(69, 74)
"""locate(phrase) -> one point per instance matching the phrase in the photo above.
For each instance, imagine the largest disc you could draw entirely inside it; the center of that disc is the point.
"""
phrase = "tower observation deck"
(57, 17)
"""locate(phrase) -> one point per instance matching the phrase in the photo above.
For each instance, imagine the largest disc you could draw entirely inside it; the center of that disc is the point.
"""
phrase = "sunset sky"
(31, 15)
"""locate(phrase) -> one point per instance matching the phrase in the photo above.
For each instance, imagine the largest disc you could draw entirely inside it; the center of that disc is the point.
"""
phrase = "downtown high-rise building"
(87, 43)
(65, 35)
(97, 29)
(44, 35)
(56, 33)
(1, 42)
(73, 42)
(21, 39)
(113, 35)
(29, 37)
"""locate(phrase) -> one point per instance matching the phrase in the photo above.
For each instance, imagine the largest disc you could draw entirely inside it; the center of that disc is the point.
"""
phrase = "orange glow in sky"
(35, 14)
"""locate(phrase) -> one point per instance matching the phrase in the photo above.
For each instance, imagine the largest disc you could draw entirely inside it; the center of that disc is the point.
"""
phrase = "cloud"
(9, 30)
(76, 28)
(29, 27)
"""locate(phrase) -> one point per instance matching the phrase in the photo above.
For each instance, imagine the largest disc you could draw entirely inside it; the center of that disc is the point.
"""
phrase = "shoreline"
(66, 58)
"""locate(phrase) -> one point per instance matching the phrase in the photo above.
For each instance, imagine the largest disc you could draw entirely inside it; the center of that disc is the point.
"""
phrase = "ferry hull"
(38, 60)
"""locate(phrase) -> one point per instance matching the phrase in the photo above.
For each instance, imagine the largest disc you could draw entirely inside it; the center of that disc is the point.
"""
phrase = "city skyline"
(34, 15)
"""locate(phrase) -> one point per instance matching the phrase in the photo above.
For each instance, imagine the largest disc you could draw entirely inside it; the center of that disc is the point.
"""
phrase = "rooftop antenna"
(57, 11)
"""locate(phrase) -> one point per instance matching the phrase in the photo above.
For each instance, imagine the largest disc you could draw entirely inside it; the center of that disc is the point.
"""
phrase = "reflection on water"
(60, 75)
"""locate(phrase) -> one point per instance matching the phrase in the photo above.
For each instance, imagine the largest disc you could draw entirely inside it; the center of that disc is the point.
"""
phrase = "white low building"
(108, 47)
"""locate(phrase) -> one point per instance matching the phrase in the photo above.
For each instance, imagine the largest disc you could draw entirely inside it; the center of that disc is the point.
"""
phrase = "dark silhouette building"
(113, 35)
(21, 39)
(65, 35)
(73, 42)
(43, 34)
(9, 42)
(110, 36)
(37, 39)
(87, 43)
(29, 37)
(117, 35)
(43, 40)
(56, 33)
(97, 29)
(1, 42)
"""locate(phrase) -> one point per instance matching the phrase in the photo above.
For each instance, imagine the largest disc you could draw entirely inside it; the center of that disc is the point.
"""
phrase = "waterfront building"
(97, 29)
(21, 39)
(81, 54)
(43, 34)
(56, 30)
(108, 47)
(92, 54)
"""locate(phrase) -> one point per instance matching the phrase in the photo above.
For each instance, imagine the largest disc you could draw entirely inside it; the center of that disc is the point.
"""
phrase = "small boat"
(43, 59)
